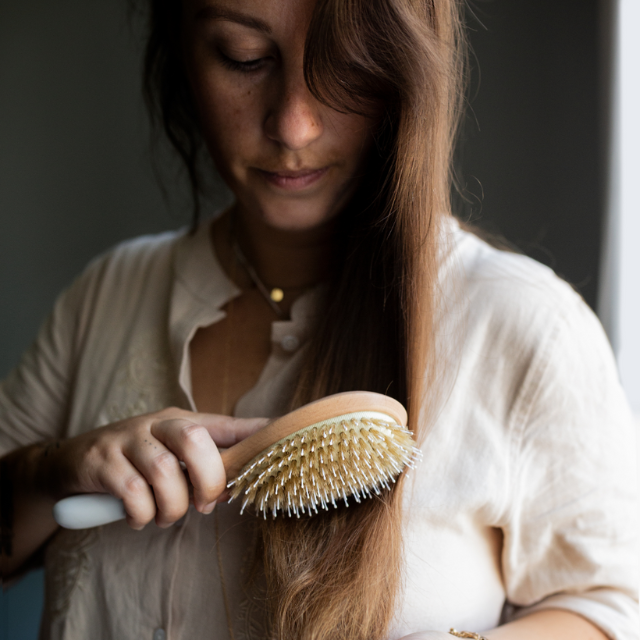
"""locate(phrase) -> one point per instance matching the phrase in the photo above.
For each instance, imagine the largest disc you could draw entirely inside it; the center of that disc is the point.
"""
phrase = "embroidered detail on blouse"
(250, 620)
(67, 563)
(143, 382)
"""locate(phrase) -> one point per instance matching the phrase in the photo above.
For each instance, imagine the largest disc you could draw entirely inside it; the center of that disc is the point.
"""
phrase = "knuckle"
(164, 464)
(94, 455)
(169, 412)
(138, 505)
(128, 425)
(191, 435)
(135, 486)
(100, 453)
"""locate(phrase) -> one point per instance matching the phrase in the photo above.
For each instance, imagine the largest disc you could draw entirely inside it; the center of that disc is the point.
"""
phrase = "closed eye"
(244, 66)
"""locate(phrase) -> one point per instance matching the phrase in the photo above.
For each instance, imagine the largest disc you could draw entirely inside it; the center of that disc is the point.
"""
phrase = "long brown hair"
(338, 575)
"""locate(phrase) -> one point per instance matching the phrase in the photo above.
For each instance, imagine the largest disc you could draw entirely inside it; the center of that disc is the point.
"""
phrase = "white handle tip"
(88, 510)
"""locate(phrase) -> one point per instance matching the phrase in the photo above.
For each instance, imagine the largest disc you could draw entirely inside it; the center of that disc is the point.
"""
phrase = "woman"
(338, 267)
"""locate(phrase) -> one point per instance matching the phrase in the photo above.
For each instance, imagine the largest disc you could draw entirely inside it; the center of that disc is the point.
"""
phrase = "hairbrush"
(346, 445)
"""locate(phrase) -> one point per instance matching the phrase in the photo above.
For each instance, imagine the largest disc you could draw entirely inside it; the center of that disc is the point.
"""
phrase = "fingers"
(122, 480)
(138, 461)
(160, 468)
(192, 443)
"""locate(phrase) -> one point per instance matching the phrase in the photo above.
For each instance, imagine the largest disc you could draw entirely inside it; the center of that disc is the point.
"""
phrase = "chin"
(287, 224)
(297, 216)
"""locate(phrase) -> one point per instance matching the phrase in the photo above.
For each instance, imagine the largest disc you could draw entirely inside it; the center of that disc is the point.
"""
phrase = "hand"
(138, 461)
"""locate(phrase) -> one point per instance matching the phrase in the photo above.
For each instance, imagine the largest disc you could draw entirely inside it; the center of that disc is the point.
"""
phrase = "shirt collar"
(200, 290)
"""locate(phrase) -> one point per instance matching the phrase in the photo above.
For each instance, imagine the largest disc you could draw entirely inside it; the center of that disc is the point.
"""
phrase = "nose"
(294, 120)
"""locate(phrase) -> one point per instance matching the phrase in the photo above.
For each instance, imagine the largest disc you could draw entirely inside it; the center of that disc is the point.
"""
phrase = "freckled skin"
(267, 119)
(260, 120)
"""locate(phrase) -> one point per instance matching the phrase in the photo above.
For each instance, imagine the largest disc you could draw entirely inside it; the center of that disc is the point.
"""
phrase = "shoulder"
(524, 340)
(119, 283)
(513, 298)
(128, 266)
(136, 255)
(504, 280)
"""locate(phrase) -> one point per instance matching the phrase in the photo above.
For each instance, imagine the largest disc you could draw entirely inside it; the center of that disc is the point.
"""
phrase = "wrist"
(27, 506)
(35, 472)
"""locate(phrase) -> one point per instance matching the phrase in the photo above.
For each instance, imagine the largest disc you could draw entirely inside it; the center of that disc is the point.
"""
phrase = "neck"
(292, 260)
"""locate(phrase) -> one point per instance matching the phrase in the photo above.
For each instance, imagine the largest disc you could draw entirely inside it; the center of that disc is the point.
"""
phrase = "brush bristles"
(317, 466)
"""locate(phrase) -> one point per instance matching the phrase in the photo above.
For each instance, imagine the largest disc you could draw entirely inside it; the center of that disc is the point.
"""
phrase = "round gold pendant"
(277, 294)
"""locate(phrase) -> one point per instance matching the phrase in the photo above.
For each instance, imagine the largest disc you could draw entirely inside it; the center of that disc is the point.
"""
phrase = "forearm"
(552, 624)
(27, 506)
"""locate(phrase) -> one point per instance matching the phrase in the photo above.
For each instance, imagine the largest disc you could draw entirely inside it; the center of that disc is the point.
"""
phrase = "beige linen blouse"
(524, 499)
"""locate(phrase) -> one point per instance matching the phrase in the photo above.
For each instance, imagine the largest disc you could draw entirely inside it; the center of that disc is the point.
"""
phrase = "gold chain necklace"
(272, 296)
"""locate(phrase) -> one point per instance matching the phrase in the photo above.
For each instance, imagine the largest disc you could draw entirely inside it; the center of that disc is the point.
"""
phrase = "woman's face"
(288, 159)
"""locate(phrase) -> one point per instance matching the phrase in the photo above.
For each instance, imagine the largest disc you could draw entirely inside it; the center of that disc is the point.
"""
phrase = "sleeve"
(571, 532)
(35, 397)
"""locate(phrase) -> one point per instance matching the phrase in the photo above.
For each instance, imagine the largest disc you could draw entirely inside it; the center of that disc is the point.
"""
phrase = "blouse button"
(159, 634)
(290, 343)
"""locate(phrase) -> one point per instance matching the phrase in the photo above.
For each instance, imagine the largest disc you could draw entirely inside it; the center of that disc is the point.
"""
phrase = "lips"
(294, 180)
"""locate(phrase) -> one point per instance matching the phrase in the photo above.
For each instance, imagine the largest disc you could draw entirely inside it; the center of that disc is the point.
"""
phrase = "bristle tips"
(350, 458)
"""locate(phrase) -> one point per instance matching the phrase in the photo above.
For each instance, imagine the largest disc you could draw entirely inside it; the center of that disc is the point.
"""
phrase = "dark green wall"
(532, 157)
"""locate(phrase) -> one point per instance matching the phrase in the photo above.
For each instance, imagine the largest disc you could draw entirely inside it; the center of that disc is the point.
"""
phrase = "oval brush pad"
(351, 454)
(347, 444)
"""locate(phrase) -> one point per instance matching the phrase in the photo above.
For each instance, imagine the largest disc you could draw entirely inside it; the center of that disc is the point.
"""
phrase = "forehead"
(272, 17)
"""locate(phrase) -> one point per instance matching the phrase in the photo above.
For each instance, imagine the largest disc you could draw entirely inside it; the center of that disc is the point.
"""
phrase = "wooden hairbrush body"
(347, 444)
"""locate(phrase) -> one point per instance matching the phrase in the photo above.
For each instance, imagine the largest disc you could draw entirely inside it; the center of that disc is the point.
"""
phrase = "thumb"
(226, 431)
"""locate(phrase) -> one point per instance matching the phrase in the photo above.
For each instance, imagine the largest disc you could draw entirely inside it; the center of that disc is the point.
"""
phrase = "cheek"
(229, 119)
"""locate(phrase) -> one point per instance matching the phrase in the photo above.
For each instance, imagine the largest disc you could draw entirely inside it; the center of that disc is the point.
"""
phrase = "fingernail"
(208, 508)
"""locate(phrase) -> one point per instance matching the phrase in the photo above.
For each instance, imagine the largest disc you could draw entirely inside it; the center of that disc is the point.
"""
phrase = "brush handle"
(96, 509)
(88, 510)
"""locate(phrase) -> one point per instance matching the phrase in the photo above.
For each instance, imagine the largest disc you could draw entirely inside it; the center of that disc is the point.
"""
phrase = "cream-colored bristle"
(350, 456)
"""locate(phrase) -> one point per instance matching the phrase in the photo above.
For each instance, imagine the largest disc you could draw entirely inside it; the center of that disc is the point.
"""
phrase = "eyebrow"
(220, 13)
